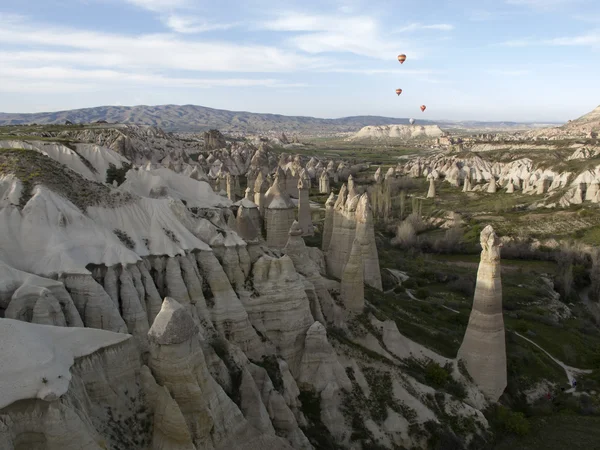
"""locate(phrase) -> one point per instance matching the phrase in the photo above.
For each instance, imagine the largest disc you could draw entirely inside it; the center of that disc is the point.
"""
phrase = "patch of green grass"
(564, 341)
(557, 432)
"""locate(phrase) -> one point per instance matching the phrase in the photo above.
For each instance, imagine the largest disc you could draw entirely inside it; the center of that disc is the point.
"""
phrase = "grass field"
(559, 432)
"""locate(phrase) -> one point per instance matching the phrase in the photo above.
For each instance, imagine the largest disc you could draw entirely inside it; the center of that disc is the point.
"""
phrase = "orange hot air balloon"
(402, 58)
(398, 91)
(423, 107)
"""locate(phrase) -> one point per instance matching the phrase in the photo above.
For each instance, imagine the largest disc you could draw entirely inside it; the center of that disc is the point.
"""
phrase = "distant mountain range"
(194, 118)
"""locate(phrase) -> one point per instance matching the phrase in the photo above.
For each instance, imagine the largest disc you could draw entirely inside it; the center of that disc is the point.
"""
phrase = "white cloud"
(508, 73)
(159, 51)
(182, 24)
(480, 15)
(360, 35)
(60, 79)
(380, 71)
(541, 4)
(159, 5)
(420, 26)
(591, 39)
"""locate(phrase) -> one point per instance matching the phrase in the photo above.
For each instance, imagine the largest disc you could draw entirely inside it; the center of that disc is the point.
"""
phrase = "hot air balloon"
(423, 107)
(411, 121)
(402, 58)
(398, 91)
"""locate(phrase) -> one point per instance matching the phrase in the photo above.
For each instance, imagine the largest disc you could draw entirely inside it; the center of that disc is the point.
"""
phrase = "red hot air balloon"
(402, 58)
(423, 107)
(398, 91)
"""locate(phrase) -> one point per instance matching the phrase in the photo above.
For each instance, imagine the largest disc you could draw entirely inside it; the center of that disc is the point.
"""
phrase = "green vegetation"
(124, 238)
(357, 408)
(33, 168)
(116, 174)
(557, 433)
(316, 432)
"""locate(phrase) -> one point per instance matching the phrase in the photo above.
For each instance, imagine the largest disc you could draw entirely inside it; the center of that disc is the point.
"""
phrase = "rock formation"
(213, 139)
(322, 306)
(304, 215)
(381, 193)
(260, 189)
(36, 358)
(365, 233)
(352, 289)
(399, 132)
(280, 213)
(177, 362)
(328, 223)
(230, 187)
(352, 217)
(431, 191)
(324, 187)
(248, 221)
(483, 348)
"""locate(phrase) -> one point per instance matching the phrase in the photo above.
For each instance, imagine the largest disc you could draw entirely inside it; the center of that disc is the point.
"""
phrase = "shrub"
(422, 293)
(509, 421)
(417, 223)
(464, 285)
(436, 375)
(124, 238)
(411, 283)
(405, 235)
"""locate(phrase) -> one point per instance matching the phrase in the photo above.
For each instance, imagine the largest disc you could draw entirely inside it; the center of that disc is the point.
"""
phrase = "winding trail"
(570, 371)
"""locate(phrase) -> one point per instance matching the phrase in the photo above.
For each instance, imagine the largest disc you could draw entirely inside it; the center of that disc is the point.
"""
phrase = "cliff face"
(483, 348)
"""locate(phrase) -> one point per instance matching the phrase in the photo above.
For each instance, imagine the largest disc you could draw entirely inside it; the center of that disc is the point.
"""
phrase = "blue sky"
(522, 60)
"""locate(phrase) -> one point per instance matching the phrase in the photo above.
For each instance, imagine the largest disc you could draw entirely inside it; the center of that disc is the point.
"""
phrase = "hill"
(587, 126)
(398, 132)
(193, 118)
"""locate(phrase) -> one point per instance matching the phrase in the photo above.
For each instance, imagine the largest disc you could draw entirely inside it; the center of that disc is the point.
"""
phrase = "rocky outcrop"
(483, 348)
(281, 310)
(227, 312)
(248, 221)
(213, 139)
(177, 362)
(328, 223)
(230, 187)
(78, 389)
(260, 189)
(304, 216)
(365, 233)
(322, 306)
(431, 191)
(280, 213)
(381, 193)
(94, 305)
(353, 218)
(352, 289)
(324, 186)
(400, 132)
(36, 359)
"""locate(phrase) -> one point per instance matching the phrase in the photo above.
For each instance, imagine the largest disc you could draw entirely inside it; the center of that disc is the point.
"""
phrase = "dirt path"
(570, 371)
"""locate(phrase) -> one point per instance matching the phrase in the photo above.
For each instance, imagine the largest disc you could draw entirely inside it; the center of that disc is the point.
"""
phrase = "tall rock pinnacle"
(483, 348)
